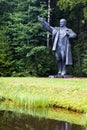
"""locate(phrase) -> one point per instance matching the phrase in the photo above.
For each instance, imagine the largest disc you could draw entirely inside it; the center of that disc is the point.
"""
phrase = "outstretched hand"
(40, 19)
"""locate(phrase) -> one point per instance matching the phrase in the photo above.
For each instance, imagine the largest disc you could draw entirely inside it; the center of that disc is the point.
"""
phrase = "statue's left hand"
(67, 32)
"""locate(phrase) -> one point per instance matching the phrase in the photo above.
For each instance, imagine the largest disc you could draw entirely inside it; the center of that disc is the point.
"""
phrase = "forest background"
(24, 47)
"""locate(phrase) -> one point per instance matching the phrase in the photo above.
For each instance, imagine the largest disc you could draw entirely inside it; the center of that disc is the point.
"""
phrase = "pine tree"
(6, 61)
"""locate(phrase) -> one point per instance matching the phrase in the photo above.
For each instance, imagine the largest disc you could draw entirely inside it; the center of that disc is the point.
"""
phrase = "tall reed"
(30, 101)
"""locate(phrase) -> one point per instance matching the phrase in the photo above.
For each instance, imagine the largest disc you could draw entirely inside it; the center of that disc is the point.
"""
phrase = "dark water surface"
(15, 121)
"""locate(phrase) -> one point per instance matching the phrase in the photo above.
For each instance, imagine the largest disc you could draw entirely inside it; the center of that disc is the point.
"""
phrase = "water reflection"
(14, 121)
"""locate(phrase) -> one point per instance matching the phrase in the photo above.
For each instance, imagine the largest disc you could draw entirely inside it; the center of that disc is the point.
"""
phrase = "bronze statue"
(61, 44)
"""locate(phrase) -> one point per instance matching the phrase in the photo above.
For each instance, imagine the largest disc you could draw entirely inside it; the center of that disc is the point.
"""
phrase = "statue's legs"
(59, 67)
(63, 72)
(63, 69)
(60, 56)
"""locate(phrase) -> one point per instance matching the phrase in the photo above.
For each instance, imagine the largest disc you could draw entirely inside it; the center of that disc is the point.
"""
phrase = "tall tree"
(48, 19)
(6, 60)
(23, 29)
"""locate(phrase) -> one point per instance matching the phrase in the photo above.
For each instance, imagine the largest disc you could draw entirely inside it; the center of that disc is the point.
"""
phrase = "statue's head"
(62, 22)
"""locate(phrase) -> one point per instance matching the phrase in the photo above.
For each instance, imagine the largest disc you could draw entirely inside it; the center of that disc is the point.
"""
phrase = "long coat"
(55, 37)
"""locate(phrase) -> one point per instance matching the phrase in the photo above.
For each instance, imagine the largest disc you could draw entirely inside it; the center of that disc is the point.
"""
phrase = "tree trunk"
(48, 36)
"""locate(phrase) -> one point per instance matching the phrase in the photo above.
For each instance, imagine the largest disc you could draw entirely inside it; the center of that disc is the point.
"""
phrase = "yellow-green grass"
(34, 92)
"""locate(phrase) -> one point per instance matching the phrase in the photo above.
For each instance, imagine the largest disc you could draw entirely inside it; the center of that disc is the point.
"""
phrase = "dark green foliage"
(23, 49)
(6, 62)
(22, 29)
(84, 63)
(84, 54)
(43, 61)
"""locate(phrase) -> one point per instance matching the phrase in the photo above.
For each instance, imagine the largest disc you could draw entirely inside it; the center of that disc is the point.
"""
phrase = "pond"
(37, 121)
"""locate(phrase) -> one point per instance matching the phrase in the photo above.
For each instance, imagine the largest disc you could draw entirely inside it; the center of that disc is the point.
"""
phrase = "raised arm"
(45, 24)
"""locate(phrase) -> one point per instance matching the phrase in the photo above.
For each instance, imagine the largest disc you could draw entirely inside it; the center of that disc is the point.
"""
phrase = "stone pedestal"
(60, 76)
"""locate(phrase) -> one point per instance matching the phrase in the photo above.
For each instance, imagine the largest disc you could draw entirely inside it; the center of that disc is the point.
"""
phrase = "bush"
(41, 61)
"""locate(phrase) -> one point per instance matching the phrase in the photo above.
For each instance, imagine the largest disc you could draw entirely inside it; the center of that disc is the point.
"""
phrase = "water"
(15, 121)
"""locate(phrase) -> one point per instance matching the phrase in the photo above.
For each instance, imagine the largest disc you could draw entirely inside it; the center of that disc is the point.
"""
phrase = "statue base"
(60, 76)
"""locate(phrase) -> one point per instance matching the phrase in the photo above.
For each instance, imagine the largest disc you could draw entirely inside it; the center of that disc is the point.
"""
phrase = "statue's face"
(62, 22)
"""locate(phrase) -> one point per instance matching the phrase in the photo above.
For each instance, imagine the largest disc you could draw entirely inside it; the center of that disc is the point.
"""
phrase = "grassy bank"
(44, 92)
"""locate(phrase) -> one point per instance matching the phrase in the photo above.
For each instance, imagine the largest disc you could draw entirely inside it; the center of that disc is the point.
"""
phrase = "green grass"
(34, 92)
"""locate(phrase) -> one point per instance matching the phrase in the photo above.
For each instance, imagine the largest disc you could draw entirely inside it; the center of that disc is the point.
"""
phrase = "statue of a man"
(61, 44)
